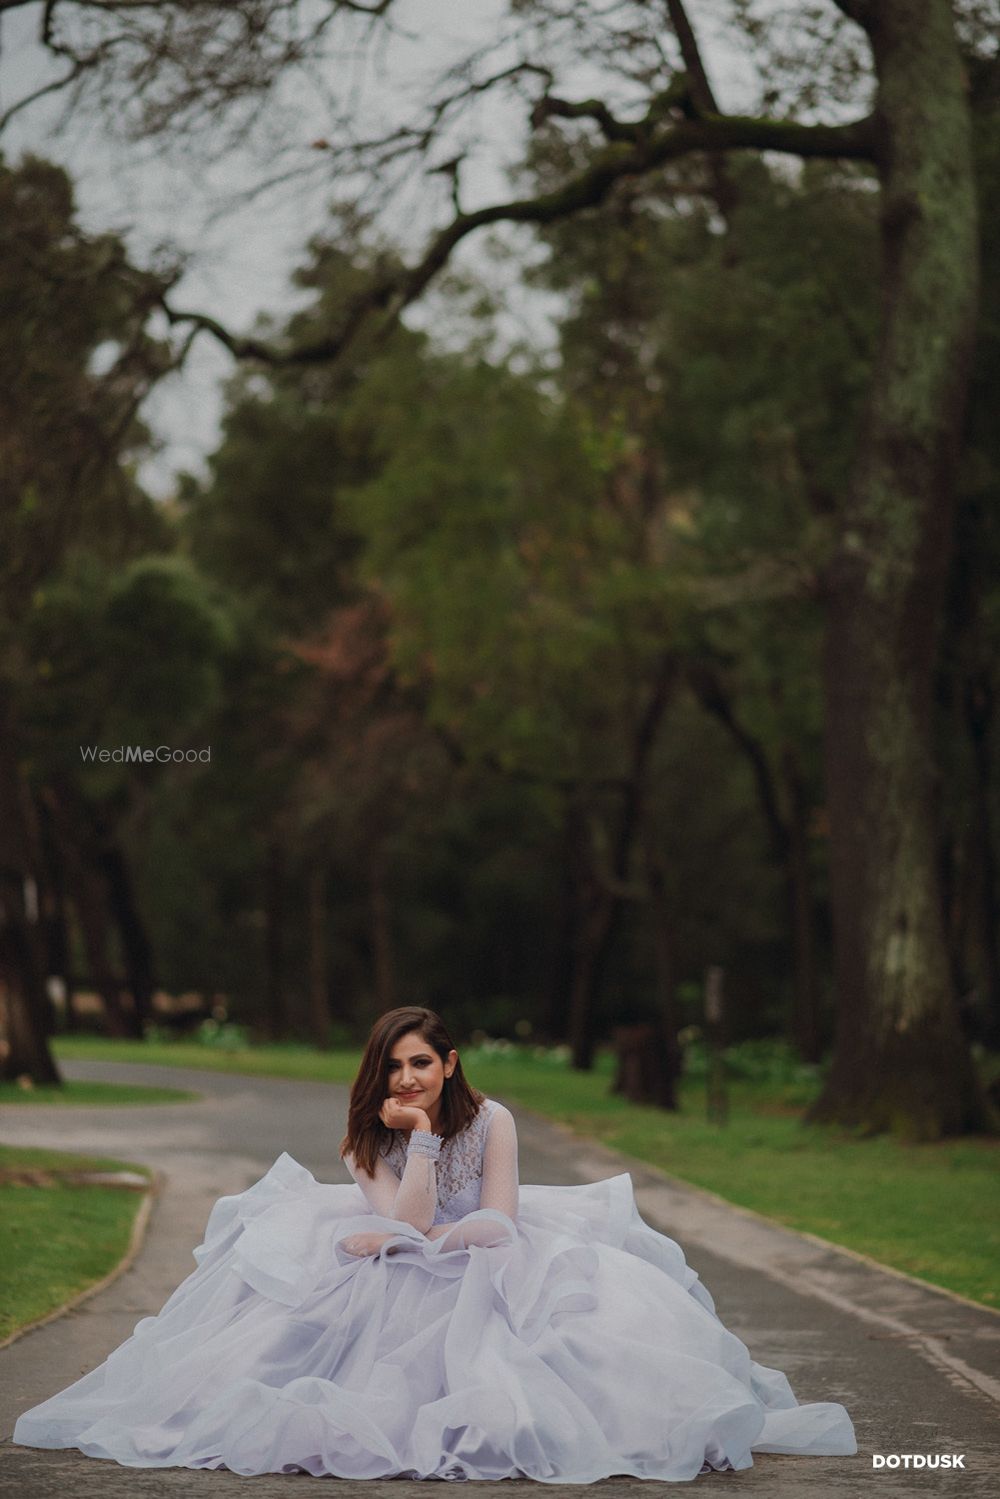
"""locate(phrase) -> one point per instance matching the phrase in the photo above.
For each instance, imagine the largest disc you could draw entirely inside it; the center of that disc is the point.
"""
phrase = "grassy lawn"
(56, 1240)
(92, 1094)
(930, 1210)
(283, 1060)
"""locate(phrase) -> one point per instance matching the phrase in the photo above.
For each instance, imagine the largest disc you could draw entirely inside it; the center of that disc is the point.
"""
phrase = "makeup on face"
(415, 1073)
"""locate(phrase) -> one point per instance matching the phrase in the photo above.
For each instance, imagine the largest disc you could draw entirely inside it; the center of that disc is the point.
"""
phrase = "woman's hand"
(396, 1115)
(361, 1244)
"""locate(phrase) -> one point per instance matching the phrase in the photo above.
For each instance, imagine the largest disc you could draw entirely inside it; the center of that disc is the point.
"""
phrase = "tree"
(695, 355)
(121, 653)
(968, 683)
(901, 1060)
(67, 429)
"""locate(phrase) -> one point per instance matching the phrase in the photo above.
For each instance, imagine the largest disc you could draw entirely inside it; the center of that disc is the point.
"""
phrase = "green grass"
(930, 1210)
(301, 1062)
(94, 1095)
(56, 1241)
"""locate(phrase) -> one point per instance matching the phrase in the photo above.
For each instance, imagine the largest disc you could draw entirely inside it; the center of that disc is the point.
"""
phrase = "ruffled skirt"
(576, 1345)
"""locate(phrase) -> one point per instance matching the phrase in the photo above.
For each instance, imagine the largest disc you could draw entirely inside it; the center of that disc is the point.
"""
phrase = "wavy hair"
(367, 1137)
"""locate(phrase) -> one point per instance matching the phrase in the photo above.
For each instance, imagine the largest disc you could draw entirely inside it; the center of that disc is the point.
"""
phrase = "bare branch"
(595, 109)
(55, 87)
(173, 65)
(715, 699)
(240, 348)
(571, 784)
(701, 90)
(121, 7)
(704, 100)
(395, 289)
(423, 137)
(451, 170)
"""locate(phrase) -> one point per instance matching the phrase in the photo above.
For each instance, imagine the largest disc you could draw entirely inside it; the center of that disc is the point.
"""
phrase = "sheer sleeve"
(500, 1180)
(411, 1198)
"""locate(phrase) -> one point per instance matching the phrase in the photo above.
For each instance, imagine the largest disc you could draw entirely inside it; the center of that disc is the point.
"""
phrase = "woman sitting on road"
(434, 1320)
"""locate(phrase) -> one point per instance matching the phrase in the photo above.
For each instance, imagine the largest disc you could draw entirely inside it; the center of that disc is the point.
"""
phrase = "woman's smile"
(416, 1075)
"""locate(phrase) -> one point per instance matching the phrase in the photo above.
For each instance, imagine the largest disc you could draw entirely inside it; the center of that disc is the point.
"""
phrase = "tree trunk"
(901, 1060)
(22, 989)
(383, 962)
(88, 895)
(319, 988)
(644, 1073)
(804, 1027)
(789, 843)
(22, 970)
(979, 712)
(91, 909)
(666, 983)
(58, 941)
(275, 1009)
(602, 890)
(135, 939)
(552, 1025)
(593, 935)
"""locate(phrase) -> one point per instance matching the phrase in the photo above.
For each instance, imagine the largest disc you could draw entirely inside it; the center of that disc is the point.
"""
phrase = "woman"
(434, 1320)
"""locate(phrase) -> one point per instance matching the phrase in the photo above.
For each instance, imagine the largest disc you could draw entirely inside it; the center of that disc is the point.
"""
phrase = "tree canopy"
(706, 589)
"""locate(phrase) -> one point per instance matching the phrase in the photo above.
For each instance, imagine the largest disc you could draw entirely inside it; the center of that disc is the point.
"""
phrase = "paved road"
(918, 1370)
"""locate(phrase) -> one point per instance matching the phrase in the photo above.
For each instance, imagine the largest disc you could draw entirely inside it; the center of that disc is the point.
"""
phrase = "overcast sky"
(239, 257)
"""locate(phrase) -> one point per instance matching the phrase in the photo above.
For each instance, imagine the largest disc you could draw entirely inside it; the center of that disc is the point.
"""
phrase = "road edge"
(137, 1237)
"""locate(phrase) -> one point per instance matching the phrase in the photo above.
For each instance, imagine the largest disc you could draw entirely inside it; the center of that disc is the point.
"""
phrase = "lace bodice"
(426, 1182)
(459, 1166)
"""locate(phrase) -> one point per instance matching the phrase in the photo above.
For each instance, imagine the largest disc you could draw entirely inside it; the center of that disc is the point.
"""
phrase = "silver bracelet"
(424, 1142)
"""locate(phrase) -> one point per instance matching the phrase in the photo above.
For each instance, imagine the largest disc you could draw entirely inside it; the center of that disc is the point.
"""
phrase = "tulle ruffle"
(572, 1346)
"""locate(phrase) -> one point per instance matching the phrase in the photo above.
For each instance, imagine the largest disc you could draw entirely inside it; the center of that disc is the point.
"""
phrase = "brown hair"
(367, 1137)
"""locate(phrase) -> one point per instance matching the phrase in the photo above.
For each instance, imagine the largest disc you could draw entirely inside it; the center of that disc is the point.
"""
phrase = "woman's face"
(416, 1072)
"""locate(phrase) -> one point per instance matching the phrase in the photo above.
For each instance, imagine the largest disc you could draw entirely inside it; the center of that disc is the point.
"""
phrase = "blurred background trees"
(517, 671)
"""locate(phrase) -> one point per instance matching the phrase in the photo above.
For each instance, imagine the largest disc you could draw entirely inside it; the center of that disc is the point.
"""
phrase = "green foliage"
(130, 655)
(266, 522)
(513, 593)
(75, 361)
(272, 520)
(770, 1061)
(423, 598)
(530, 552)
(221, 1035)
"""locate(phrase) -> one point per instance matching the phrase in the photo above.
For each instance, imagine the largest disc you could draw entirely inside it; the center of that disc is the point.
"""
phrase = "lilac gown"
(549, 1333)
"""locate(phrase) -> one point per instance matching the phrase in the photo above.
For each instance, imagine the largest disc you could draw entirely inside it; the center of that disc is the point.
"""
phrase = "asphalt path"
(918, 1370)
